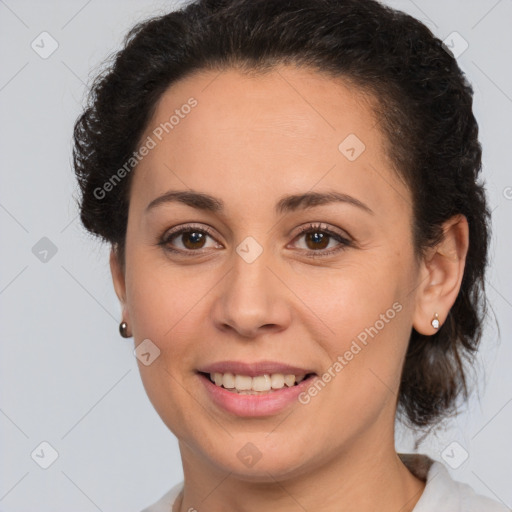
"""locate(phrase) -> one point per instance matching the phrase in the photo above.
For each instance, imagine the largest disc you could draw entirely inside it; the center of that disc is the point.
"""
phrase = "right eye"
(192, 239)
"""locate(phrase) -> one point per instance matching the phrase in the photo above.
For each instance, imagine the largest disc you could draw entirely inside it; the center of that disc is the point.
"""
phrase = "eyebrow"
(286, 204)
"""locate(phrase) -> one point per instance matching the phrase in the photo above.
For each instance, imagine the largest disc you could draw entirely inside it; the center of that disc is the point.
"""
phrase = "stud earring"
(123, 329)
(435, 321)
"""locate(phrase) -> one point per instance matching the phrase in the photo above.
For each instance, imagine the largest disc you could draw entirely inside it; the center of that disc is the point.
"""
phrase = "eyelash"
(311, 228)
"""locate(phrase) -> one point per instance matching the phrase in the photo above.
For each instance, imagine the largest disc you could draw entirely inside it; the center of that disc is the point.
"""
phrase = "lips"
(254, 369)
(258, 399)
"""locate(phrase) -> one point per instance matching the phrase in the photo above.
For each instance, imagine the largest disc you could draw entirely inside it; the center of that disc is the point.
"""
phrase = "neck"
(361, 479)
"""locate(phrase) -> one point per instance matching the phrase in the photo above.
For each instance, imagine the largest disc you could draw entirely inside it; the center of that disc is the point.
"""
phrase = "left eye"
(318, 238)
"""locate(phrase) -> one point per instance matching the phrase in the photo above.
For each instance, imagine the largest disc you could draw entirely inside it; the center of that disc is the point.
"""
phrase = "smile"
(247, 385)
(254, 390)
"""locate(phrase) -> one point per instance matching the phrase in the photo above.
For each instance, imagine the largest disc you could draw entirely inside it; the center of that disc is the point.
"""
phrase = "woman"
(298, 243)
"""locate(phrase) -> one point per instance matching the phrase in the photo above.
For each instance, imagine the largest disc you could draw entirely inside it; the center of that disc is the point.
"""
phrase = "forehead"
(288, 129)
(279, 107)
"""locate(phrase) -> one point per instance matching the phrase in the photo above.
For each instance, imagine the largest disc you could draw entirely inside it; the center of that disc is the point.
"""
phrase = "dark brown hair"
(423, 103)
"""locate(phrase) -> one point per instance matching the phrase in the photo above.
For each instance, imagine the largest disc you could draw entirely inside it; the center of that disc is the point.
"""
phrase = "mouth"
(265, 383)
(255, 389)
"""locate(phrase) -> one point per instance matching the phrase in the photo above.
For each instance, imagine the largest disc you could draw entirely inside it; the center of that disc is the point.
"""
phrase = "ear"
(440, 275)
(118, 279)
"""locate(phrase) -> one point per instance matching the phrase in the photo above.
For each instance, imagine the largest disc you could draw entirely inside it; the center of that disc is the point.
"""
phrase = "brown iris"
(320, 240)
(196, 239)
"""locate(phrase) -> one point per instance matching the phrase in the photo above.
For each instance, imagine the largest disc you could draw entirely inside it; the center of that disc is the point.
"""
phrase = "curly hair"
(422, 100)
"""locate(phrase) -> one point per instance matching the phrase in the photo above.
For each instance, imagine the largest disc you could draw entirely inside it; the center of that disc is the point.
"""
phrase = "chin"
(256, 458)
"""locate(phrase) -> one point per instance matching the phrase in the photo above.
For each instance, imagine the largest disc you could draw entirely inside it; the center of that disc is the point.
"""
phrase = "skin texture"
(249, 141)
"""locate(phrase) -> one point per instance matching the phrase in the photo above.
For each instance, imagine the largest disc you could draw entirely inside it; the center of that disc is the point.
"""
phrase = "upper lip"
(254, 369)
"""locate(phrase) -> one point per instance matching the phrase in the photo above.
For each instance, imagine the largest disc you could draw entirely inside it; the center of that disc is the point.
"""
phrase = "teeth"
(243, 383)
(228, 380)
(261, 383)
(247, 385)
(289, 380)
(277, 380)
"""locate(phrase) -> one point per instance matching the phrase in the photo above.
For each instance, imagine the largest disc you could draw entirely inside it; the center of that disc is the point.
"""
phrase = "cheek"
(351, 299)
(363, 365)
(164, 305)
(159, 295)
(366, 321)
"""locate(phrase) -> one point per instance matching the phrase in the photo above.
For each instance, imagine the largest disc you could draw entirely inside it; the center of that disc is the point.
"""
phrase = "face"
(257, 281)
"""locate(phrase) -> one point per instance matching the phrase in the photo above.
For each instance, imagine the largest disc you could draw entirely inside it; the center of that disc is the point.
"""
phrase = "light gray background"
(67, 378)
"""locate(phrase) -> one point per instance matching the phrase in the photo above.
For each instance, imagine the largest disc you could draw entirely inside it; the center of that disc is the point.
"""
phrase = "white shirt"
(441, 493)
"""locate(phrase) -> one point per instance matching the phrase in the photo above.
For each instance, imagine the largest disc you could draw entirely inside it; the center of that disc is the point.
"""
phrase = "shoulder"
(165, 503)
(444, 494)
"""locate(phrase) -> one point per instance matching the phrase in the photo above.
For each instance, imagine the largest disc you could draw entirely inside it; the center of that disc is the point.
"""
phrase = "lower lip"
(254, 405)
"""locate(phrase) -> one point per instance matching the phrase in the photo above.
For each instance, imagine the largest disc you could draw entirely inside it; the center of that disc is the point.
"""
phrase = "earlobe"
(440, 276)
(118, 279)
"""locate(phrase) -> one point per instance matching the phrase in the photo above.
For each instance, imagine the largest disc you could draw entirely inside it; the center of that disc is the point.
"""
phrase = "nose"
(252, 299)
